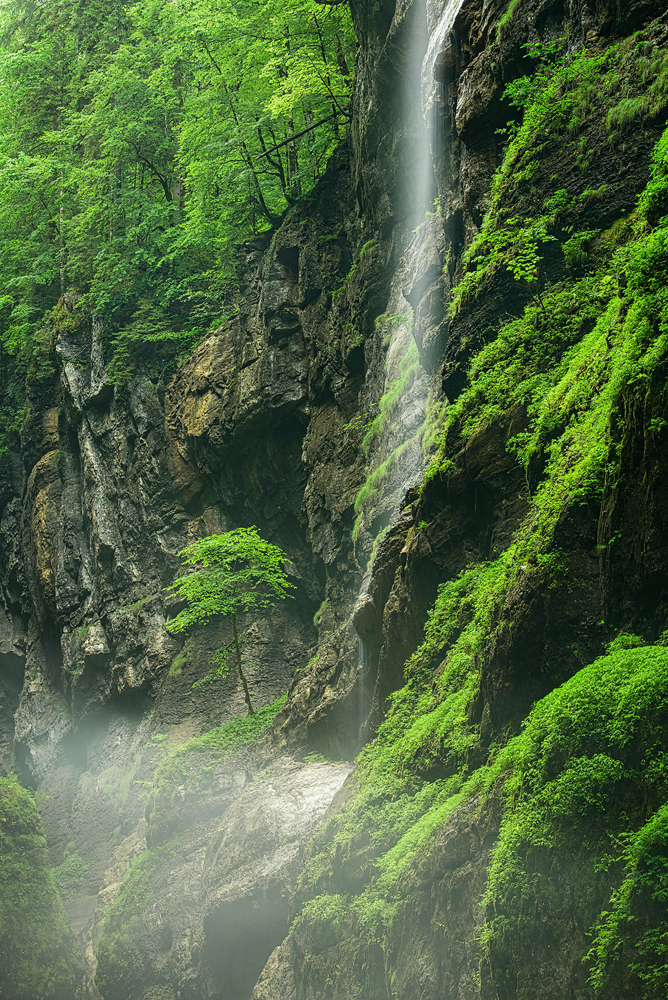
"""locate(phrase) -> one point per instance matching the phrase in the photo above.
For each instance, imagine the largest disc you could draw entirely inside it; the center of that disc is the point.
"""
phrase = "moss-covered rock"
(39, 955)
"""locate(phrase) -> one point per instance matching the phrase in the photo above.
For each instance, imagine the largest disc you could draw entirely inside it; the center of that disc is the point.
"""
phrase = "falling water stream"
(394, 439)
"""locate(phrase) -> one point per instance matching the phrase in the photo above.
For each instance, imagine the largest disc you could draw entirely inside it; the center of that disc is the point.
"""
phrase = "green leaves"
(140, 143)
(239, 572)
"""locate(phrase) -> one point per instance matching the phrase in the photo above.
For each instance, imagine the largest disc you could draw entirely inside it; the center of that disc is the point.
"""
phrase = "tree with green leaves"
(141, 143)
(238, 572)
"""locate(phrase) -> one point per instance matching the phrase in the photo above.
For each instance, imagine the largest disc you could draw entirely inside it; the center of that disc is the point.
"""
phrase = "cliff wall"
(479, 297)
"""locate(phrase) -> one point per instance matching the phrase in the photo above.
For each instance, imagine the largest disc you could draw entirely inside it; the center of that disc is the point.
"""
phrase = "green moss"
(177, 664)
(557, 100)
(138, 605)
(189, 766)
(319, 613)
(413, 775)
(572, 382)
(409, 366)
(506, 16)
(38, 951)
(378, 477)
(70, 876)
(587, 775)
(393, 319)
(119, 953)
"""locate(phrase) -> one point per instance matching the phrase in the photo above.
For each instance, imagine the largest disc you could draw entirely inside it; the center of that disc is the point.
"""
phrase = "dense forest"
(334, 500)
(141, 144)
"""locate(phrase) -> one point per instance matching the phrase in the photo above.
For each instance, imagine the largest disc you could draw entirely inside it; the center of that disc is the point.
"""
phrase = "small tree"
(239, 572)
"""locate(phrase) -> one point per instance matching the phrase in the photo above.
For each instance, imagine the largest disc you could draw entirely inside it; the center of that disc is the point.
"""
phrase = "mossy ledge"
(39, 954)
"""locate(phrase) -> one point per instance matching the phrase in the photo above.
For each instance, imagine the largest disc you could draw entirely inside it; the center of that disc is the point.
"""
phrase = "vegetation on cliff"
(38, 950)
(582, 788)
(236, 572)
(140, 145)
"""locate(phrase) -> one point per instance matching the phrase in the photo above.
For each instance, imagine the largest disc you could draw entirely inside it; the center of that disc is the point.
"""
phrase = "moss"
(409, 366)
(38, 951)
(506, 17)
(177, 664)
(561, 96)
(119, 953)
(570, 370)
(587, 775)
(138, 605)
(413, 775)
(320, 612)
(71, 875)
(189, 766)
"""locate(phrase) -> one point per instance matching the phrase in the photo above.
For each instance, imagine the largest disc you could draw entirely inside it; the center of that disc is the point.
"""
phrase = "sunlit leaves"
(141, 142)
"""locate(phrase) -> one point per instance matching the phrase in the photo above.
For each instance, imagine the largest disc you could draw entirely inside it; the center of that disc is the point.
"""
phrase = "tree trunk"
(237, 651)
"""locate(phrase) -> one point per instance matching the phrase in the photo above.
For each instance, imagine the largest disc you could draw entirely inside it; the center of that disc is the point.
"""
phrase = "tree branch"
(297, 135)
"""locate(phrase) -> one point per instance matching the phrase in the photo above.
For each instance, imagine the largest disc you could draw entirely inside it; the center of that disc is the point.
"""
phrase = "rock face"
(311, 414)
(220, 885)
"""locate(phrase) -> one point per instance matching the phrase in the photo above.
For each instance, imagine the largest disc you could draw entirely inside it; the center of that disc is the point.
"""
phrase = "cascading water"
(396, 407)
(441, 18)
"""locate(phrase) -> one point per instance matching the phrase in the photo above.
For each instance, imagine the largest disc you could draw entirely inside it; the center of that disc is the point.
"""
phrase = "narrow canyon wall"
(199, 862)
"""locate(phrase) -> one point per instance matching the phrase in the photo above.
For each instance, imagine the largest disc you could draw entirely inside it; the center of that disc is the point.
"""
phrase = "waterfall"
(397, 407)
(439, 29)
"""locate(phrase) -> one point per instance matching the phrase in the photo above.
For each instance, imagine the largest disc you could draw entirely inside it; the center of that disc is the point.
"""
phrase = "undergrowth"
(38, 951)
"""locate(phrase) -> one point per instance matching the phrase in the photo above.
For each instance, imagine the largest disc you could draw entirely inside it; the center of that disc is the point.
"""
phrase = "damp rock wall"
(195, 860)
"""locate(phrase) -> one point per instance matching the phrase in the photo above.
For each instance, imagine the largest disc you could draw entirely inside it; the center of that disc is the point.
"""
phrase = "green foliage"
(562, 92)
(412, 776)
(373, 484)
(239, 572)
(216, 746)
(641, 894)
(576, 249)
(381, 432)
(189, 766)
(319, 613)
(589, 770)
(140, 144)
(506, 16)
(39, 952)
(572, 382)
(71, 874)
(625, 640)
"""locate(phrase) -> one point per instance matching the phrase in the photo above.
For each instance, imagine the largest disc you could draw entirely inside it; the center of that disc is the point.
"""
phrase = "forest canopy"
(139, 144)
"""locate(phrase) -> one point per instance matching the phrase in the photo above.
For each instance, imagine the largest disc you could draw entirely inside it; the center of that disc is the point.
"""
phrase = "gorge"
(439, 385)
